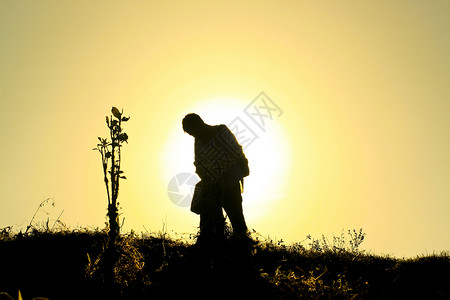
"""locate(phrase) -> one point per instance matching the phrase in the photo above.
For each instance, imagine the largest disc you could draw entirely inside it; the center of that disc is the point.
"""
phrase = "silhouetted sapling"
(111, 159)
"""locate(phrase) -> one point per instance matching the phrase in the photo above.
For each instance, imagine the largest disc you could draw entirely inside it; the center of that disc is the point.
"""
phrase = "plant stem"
(105, 172)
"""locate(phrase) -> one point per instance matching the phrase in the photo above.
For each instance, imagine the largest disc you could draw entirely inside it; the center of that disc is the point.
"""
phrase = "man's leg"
(211, 219)
(232, 203)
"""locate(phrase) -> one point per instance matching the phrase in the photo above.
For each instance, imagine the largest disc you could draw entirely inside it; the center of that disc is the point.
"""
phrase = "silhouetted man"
(221, 165)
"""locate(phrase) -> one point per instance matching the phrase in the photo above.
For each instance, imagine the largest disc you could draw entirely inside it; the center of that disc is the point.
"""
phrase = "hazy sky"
(361, 138)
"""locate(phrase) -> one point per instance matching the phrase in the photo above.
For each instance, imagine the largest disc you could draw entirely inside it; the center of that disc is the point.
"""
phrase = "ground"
(70, 265)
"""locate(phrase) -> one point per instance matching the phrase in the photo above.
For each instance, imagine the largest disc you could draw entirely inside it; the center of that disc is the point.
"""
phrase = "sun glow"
(267, 155)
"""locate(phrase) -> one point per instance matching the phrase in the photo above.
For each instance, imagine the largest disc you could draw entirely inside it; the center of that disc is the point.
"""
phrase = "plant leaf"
(123, 137)
(116, 112)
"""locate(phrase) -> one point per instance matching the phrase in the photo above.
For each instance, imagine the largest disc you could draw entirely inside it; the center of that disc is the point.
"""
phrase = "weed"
(154, 265)
(111, 156)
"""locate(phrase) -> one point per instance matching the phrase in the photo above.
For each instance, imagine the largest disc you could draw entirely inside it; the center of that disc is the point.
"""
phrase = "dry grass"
(67, 264)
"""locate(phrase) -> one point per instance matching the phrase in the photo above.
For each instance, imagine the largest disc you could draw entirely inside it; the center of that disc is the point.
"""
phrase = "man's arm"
(202, 168)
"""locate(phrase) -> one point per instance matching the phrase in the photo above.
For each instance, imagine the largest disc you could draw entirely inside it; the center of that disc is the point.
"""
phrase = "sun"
(267, 154)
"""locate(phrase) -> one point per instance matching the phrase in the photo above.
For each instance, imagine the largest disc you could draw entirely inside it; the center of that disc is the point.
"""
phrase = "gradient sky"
(363, 140)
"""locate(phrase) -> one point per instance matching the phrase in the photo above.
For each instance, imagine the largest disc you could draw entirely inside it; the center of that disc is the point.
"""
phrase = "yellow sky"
(362, 141)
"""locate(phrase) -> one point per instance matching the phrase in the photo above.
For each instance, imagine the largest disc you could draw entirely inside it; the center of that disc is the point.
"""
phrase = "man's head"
(193, 124)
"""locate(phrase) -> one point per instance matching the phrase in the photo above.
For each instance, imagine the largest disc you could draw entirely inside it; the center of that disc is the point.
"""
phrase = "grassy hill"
(69, 265)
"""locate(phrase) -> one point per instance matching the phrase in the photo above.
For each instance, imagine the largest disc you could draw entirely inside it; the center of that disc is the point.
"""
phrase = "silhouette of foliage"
(111, 157)
(67, 265)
